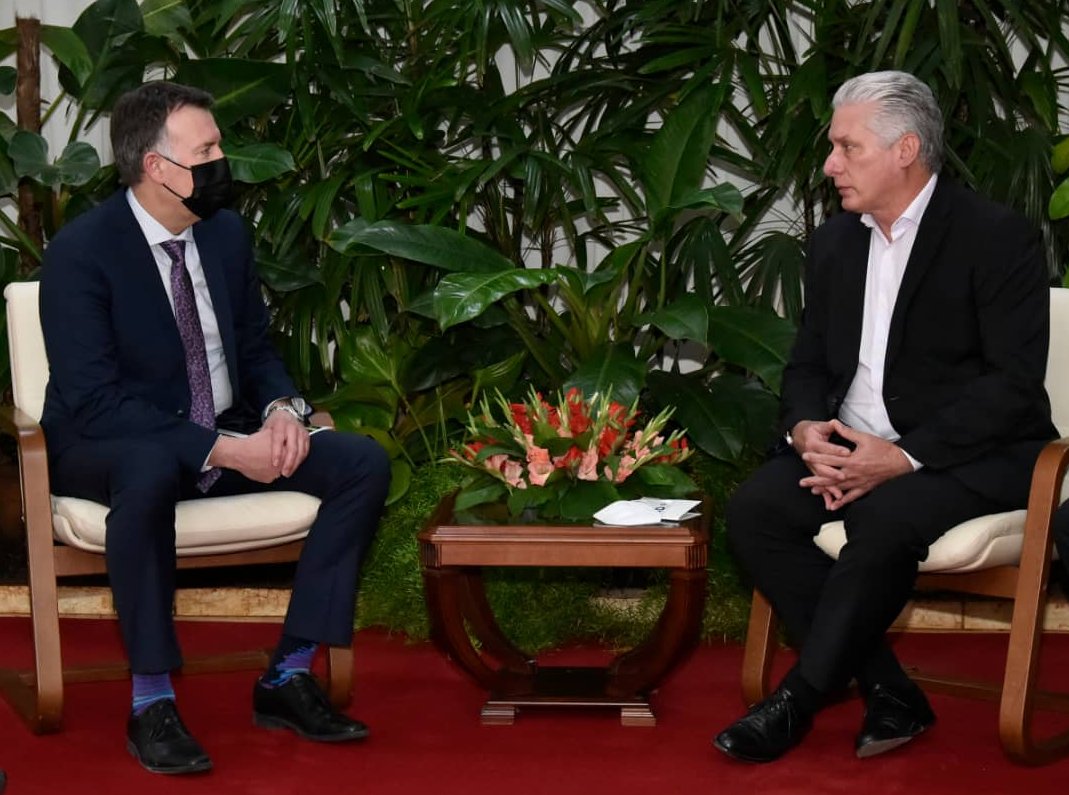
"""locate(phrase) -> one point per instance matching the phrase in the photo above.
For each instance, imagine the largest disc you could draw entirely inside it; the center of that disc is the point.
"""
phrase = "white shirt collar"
(155, 232)
(912, 214)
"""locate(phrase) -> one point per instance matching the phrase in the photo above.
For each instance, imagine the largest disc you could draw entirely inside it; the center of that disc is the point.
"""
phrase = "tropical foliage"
(454, 197)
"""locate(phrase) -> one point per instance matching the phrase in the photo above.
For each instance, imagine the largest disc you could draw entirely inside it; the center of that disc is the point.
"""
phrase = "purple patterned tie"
(202, 405)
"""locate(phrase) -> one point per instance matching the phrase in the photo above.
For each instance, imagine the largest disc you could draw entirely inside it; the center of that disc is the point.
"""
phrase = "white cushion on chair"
(208, 526)
(980, 543)
(29, 365)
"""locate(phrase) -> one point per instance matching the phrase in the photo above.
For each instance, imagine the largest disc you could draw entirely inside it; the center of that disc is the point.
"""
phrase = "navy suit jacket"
(967, 345)
(117, 366)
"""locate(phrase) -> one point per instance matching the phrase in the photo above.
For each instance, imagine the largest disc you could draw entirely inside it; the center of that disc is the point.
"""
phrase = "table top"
(444, 543)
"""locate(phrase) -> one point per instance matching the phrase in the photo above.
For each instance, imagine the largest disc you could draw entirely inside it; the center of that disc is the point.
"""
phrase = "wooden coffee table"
(453, 555)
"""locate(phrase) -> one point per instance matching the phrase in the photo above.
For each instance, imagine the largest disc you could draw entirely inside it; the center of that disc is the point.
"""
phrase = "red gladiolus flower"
(521, 417)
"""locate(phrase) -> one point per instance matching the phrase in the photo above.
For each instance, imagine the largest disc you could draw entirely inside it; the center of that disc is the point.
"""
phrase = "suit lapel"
(142, 275)
(211, 262)
(855, 257)
(933, 228)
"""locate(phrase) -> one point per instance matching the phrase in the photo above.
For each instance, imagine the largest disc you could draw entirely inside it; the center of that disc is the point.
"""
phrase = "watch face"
(300, 405)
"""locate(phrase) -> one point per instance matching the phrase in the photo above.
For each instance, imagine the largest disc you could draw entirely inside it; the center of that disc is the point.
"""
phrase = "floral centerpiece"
(570, 458)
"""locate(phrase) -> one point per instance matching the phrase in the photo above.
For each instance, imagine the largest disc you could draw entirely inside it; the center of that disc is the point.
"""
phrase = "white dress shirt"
(863, 407)
(155, 233)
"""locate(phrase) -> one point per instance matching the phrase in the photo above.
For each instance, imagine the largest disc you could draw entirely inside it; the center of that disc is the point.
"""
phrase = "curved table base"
(463, 625)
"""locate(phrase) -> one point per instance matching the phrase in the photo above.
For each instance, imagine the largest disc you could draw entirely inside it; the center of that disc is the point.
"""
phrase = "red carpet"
(426, 736)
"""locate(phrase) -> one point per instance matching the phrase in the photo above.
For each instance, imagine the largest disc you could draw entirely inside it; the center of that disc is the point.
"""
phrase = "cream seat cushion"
(207, 526)
(980, 543)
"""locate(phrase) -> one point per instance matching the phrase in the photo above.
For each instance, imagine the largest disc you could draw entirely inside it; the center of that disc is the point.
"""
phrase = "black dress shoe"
(159, 740)
(300, 705)
(893, 717)
(767, 731)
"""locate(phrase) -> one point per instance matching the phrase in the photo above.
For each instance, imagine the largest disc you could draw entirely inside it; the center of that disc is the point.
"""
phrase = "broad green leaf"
(584, 499)
(286, 273)
(9, 181)
(1059, 201)
(359, 392)
(762, 413)
(357, 417)
(714, 417)
(78, 164)
(481, 492)
(758, 340)
(432, 245)
(243, 89)
(685, 319)
(725, 197)
(662, 480)
(364, 360)
(1060, 158)
(69, 50)
(166, 17)
(258, 162)
(107, 25)
(29, 154)
(8, 78)
(676, 162)
(463, 296)
(617, 373)
(499, 375)
(400, 480)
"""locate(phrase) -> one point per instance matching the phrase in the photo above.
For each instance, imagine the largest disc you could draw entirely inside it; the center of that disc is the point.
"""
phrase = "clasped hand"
(277, 449)
(841, 475)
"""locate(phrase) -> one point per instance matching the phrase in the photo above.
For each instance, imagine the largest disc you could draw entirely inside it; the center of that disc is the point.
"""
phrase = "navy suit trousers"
(141, 482)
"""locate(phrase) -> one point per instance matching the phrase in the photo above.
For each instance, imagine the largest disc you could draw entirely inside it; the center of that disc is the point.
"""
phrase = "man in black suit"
(913, 400)
(157, 339)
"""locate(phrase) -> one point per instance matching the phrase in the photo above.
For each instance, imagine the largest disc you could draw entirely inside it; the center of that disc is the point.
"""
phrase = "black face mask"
(212, 184)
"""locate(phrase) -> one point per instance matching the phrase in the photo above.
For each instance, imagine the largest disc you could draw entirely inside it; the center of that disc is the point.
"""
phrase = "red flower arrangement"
(570, 458)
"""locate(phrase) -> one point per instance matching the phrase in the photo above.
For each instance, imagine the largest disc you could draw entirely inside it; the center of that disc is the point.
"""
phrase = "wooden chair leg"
(1019, 689)
(340, 675)
(760, 650)
(38, 697)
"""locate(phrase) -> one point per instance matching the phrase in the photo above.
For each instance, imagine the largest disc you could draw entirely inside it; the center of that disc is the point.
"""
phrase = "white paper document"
(646, 511)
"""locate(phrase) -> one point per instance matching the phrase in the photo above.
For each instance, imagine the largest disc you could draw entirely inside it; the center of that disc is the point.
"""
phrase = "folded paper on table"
(645, 511)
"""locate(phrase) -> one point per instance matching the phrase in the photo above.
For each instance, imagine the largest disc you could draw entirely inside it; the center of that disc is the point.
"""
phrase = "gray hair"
(904, 105)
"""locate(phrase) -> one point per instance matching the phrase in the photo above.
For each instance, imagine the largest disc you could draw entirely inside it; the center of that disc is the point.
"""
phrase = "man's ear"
(909, 148)
(152, 166)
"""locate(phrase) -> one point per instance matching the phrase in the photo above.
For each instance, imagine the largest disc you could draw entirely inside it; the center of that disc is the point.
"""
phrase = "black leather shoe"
(159, 740)
(767, 731)
(300, 705)
(893, 717)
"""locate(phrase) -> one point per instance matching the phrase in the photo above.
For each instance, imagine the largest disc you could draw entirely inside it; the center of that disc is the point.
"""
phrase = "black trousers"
(837, 613)
(1060, 530)
(141, 482)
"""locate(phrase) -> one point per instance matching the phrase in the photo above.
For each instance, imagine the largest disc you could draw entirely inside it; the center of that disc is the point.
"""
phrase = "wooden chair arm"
(33, 462)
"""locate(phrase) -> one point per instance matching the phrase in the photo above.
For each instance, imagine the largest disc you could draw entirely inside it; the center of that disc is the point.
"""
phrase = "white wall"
(62, 13)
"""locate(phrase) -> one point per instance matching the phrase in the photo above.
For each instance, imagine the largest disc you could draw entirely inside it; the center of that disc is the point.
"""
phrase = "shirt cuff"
(206, 467)
(913, 461)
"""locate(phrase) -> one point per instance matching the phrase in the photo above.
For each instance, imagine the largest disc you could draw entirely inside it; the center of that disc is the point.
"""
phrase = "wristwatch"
(294, 406)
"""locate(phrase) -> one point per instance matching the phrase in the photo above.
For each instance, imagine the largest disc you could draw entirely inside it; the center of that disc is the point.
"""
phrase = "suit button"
(180, 413)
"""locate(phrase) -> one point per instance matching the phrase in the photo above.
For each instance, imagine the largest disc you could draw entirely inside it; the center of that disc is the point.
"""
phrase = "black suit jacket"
(117, 366)
(967, 347)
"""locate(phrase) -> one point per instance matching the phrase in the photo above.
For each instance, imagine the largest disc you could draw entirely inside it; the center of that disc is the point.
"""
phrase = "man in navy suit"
(157, 339)
(913, 400)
